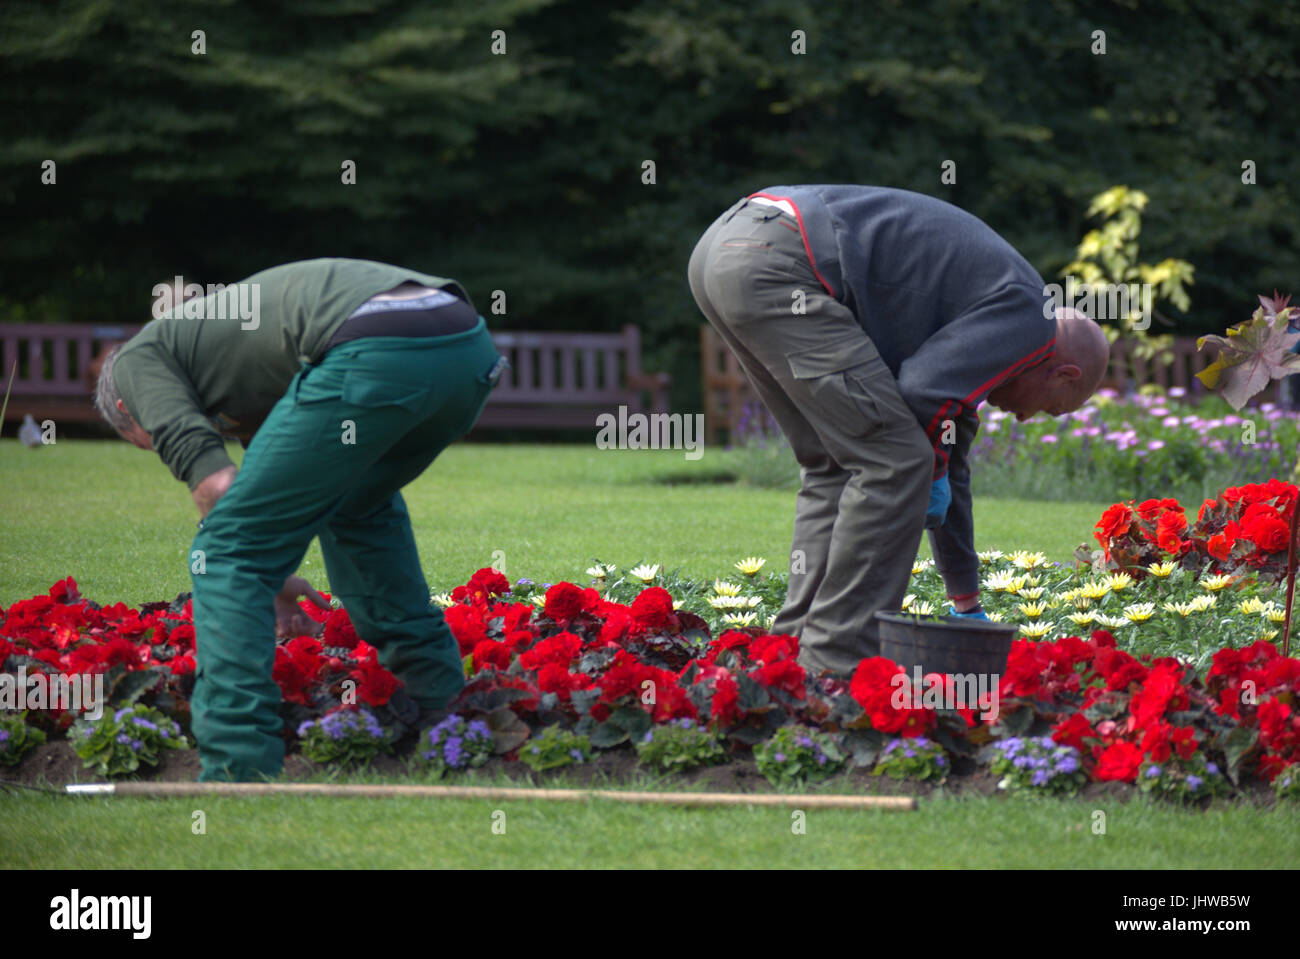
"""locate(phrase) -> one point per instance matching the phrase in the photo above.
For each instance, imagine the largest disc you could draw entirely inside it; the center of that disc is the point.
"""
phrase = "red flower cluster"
(1259, 689)
(586, 656)
(63, 634)
(1244, 528)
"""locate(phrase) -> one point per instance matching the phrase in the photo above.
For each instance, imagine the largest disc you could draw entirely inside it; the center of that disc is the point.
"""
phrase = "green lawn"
(113, 517)
(314, 833)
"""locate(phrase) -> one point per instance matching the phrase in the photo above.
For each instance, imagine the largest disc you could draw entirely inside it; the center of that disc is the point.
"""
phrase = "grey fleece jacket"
(952, 308)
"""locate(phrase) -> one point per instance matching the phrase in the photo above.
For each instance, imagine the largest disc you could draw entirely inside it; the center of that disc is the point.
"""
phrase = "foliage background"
(522, 172)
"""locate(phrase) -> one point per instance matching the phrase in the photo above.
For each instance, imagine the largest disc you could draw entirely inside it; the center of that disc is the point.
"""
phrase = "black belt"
(438, 314)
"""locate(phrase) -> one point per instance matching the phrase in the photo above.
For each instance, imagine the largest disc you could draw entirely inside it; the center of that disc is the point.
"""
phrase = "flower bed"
(574, 672)
(1131, 445)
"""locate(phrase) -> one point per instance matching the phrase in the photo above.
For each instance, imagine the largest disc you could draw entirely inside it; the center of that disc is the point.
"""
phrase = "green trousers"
(329, 461)
(865, 463)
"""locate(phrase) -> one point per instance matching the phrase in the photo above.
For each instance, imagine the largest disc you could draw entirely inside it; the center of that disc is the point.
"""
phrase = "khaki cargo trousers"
(865, 463)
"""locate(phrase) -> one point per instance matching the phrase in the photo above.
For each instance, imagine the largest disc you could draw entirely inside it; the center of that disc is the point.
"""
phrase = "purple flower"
(123, 738)
(1068, 764)
(478, 730)
(805, 741)
(1049, 438)
(4, 735)
(1212, 769)
(136, 745)
(779, 757)
(1194, 782)
(452, 752)
(1040, 777)
(1152, 772)
(304, 727)
(909, 753)
(941, 761)
(576, 754)
(1023, 762)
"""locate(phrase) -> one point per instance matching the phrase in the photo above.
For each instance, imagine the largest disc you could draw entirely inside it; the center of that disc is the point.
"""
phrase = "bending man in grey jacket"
(872, 322)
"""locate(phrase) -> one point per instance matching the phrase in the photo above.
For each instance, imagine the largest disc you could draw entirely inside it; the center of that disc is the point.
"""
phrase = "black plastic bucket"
(948, 645)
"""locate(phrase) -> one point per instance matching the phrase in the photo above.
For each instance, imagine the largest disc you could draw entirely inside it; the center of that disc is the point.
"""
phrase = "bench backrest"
(568, 368)
(57, 359)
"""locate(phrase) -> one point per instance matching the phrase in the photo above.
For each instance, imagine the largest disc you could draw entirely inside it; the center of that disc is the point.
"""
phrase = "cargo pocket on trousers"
(838, 377)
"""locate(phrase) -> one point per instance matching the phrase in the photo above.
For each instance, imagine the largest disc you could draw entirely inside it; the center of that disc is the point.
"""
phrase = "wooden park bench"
(727, 392)
(556, 380)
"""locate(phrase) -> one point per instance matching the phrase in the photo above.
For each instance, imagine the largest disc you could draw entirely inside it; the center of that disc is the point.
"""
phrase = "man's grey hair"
(106, 395)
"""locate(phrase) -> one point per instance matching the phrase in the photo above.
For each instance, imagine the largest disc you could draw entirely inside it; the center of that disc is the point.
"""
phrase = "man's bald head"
(1082, 343)
(1064, 381)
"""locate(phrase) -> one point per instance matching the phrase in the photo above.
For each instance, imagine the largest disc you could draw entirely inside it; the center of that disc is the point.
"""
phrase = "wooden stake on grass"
(168, 789)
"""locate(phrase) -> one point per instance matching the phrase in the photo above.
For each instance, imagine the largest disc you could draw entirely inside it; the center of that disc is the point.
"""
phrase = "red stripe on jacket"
(803, 234)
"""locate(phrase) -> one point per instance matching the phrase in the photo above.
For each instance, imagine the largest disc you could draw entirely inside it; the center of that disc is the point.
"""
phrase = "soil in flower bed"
(54, 764)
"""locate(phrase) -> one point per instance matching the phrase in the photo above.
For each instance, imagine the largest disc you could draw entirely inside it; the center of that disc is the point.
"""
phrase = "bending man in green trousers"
(350, 377)
(871, 323)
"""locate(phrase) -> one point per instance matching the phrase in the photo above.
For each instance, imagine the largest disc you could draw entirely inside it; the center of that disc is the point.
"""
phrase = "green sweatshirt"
(217, 364)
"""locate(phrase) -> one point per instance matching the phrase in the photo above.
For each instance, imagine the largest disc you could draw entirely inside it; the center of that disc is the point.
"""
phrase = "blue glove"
(973, 614)
(940, 498)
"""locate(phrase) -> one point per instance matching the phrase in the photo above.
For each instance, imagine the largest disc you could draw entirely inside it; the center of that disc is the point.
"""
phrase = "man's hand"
(290, 620)
(940, 499)
(213, 488)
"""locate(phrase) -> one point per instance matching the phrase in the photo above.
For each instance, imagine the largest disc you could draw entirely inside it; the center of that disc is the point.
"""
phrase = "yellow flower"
(1267, 636)
(770, 621)
(1032, 610)
(1004, 583)
(752, 601)
(922, 608)
(1094, 590)
(1275, 615)
(645, 572)
(1201, 603)
(1083, 619)
(1139, 612)
(442, 599)
(1249, 607)
(750, 565)
(726, 602)
(1182, 609)
(1216, 583)
(994, 617)
(989, 555)
(1035, 593)
(1161, 570)
(1026, 560)
(908, 600)
(1119, 581)
(738, 619)
(1112, 622)
(725, 589)
(1035, 630)
(538, 599)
